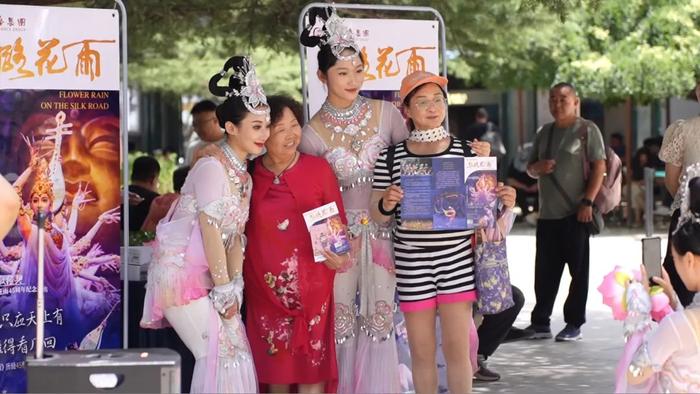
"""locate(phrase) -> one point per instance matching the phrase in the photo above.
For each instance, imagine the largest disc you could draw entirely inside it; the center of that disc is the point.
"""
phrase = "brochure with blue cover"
(448, 193)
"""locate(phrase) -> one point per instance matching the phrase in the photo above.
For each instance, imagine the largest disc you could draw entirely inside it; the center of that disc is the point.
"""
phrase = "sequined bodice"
(233, 211)
(355, 168)
(229, 213)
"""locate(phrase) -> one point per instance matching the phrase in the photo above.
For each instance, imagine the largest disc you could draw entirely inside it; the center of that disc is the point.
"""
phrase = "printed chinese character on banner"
(46, 63)
(88, 60)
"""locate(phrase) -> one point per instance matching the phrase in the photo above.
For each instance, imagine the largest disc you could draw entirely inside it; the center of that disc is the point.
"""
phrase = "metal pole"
(649, 201)
(40, 306)
(124, 127)
(377, 7)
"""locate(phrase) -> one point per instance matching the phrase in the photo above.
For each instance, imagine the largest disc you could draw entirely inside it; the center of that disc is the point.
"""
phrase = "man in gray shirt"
(562, 231)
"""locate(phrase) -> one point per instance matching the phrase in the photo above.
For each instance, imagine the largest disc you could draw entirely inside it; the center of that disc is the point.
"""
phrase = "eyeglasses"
(424, 104)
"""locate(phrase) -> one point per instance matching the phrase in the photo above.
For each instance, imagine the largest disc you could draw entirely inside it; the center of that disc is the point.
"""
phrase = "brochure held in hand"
(327, 231)
(448, 193)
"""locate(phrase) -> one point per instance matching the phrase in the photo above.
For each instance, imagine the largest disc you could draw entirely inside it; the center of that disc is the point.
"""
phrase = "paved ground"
(545, 366)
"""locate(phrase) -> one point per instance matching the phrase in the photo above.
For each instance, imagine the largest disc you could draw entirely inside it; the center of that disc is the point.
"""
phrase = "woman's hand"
(391, 197)
(480, 148)
(334, 261)
(664, 282)
(506, 194)
(231, 311)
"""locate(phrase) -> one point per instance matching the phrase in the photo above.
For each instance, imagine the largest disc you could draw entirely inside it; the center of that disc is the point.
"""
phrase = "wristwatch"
(586, 202)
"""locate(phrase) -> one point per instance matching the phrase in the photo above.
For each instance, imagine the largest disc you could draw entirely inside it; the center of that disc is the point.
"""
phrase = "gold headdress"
(42, 182)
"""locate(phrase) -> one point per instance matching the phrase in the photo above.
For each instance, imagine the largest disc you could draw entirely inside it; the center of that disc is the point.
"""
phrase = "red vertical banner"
(60, 147)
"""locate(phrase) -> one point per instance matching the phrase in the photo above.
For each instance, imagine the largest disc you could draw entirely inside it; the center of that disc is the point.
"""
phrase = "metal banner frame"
(376, 7)
(124, 126)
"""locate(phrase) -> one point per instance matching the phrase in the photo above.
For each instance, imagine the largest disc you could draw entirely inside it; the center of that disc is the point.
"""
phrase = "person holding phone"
(679, 150)
(667, 359)
(9, 206)
(651, 256)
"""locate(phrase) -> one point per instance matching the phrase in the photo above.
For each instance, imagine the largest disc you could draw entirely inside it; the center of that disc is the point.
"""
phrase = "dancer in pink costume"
(195, 280)
(349, 131)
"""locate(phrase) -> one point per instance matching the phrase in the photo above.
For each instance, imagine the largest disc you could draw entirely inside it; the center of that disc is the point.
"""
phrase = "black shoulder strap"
(251, 167)
(390, 161)
(561, 190)
(465, 151)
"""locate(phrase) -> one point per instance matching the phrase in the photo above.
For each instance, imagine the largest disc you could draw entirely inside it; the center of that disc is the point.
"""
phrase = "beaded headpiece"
(687, 214)
(250, 91)
(333, 32)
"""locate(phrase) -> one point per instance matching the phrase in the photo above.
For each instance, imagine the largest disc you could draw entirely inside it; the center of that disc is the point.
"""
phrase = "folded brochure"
(448, 193)
(327, 231)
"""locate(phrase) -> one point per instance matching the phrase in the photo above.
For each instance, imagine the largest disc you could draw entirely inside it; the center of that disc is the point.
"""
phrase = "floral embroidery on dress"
(371, 149)
(285, 285)
(344, 323)
(380, 324)
(277, 331)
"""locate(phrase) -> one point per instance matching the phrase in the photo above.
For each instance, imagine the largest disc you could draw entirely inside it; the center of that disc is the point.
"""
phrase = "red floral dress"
(289, 297)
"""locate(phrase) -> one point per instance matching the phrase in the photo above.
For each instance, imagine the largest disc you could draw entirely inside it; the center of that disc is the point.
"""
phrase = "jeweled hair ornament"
(693, 171)
(340, 37)
(331, 31)
(250, 91)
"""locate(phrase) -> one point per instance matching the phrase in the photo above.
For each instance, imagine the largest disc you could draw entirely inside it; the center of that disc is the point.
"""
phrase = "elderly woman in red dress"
(289, 297)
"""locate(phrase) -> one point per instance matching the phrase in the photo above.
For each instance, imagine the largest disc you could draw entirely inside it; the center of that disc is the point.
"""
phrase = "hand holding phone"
(651, 257)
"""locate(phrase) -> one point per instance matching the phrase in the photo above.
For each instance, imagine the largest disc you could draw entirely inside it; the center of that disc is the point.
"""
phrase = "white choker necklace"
(430, 135)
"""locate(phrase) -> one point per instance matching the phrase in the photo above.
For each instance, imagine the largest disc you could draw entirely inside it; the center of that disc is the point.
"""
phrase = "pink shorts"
(432, 303)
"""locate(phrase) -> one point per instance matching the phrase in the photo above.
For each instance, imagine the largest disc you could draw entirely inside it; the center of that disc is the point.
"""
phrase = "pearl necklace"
(430, 135)
(232, 158)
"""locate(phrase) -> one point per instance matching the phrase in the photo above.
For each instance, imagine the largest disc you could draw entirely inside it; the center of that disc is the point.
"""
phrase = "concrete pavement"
(546, 366)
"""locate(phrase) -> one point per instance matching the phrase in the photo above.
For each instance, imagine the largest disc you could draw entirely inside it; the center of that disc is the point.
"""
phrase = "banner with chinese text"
(60, 147)
(392, 49)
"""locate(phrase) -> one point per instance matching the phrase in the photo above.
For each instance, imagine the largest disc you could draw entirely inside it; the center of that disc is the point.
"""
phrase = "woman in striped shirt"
(434, 269)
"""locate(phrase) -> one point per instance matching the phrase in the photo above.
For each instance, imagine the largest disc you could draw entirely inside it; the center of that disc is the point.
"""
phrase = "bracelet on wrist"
(586, 202)
(384, 211)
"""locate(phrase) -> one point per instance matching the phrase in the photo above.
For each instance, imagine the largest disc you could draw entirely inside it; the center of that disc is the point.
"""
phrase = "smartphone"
(651, 256)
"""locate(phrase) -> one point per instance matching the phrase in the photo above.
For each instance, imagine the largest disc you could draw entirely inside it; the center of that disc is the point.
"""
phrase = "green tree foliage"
(644, 49)
(611, 49)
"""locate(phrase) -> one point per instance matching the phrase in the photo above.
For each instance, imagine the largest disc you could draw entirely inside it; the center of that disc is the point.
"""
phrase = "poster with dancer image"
(481, 180)
(60, 148)
(448, 193)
